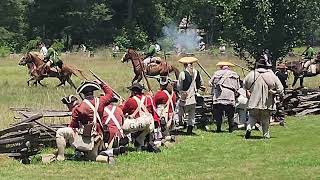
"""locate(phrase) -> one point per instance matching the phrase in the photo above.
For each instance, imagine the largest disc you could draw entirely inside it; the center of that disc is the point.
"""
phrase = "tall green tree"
(12, 23)
(276, 25)
(82, 21)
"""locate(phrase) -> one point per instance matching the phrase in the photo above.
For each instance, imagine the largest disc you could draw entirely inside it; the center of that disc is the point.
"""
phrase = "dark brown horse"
(34, 62)
(162, 68)
(297, 69)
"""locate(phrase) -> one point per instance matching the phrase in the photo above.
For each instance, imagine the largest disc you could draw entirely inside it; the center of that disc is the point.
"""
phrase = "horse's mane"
(36, 54)
(134, 54)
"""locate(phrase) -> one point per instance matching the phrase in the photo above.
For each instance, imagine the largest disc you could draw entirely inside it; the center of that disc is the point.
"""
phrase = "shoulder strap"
(195, 74)
(254, 80)
(169, 102)
(95, 110)
(140, 103)
(112, 117)
(224, 77)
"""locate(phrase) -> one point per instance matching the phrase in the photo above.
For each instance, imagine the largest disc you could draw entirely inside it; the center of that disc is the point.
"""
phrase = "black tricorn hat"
(263, 62)
(69, 99)
(87, 86)
(136, 87)
(164, 80)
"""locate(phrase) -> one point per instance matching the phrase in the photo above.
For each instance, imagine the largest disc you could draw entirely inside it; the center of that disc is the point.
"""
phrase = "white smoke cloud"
(173, 38)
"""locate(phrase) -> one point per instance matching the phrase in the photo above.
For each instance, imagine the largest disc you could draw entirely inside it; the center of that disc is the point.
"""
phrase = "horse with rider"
(309, 66)
(142, 66)
(42, 65)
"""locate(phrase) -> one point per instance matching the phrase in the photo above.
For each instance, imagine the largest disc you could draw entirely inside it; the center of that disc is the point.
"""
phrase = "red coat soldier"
(86, 120)
(165, 102)
(141, 112)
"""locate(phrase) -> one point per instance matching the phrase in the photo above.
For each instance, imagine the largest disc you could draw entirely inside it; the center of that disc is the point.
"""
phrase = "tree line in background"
(251, 25)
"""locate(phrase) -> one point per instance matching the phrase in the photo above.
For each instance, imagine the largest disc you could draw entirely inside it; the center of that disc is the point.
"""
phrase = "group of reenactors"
(103, 127)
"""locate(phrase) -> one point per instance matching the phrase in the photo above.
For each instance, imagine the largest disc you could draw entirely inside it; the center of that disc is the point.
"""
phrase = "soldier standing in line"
(189, 82)
(225, 86)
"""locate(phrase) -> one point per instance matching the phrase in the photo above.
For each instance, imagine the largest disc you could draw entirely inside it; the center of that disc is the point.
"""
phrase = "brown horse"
(297, 69)
(162, 69)
(33, 62)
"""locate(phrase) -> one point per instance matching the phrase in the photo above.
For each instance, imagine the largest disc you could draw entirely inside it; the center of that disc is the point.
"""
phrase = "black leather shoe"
(189, 130)
(247, 135)
(153, 148)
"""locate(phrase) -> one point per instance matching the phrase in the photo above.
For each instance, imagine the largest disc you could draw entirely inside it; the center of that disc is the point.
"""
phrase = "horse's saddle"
(154, 61)
(152, 64)
(312, 67)
(55, 69)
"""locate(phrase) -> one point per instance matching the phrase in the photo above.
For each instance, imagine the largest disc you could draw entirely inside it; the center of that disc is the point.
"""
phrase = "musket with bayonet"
(114, 92)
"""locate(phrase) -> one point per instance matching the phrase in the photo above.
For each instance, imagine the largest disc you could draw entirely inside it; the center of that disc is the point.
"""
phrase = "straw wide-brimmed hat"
(87, 86)
(224, 63)
(188, 60)
(282, 66)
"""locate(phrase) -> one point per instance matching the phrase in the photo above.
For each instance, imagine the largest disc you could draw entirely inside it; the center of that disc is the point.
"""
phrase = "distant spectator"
(158, 48)
(202, 46)
(222, 50)
(115, 48)
(43, 49)
(83, 48)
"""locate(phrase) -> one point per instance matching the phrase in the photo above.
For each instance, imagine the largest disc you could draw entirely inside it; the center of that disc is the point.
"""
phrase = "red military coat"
(111, 125)
(131, 105)
(162, 98)
(82, 114)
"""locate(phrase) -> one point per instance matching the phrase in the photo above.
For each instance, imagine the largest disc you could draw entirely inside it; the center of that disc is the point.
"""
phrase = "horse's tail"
(77, 72)
(176, 71)
(83, 77)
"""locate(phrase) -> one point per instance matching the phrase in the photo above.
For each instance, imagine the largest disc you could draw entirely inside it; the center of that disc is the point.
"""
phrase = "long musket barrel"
(241, 67)
(114, 92)
(144, 76)
(205, 71)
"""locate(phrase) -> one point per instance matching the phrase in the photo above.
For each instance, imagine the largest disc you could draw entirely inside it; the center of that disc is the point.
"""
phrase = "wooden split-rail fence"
(301, 102)
(28, 136)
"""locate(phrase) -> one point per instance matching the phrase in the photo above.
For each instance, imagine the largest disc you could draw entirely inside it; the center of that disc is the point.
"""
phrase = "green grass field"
(291, 153)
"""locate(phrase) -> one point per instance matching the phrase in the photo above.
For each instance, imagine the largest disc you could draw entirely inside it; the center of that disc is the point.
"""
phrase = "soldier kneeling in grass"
(165, 102)
(85, 131)
(115, 140)
(140, 119)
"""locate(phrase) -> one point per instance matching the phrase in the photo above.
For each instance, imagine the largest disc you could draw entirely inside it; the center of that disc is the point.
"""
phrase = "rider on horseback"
(43, 48)
(52, 60)
(150, 56)
(309, 60)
